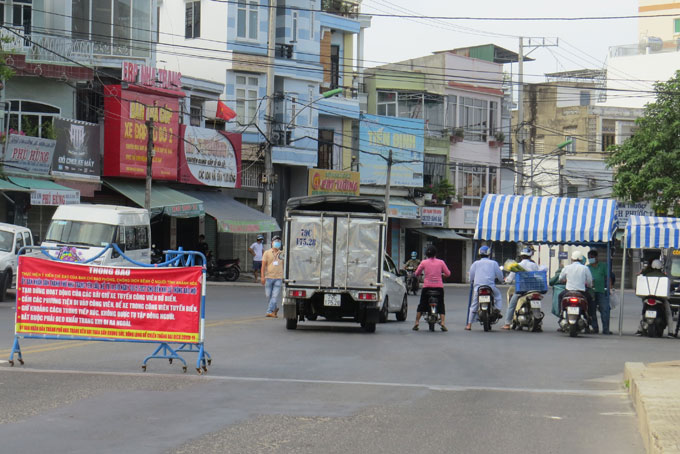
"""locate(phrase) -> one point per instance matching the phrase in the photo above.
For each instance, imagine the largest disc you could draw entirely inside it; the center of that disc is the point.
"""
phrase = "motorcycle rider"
(413, 262)
(655, 269)
(484, 272)
(433, 269)
(576, 276)
(528, 265)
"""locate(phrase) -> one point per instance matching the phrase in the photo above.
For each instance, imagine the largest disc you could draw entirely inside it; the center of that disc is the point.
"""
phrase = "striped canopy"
(545, 219)
(652, 232)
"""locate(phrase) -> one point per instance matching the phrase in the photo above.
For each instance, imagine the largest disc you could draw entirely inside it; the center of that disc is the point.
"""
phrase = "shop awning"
(400, 208)
(233, 216)
(47, 193)
(652, 232)
(164, 200)
(442, 234)
(9, 186)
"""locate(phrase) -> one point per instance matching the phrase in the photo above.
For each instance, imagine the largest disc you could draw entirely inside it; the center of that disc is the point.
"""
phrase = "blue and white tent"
(652, 232)
(548, 220)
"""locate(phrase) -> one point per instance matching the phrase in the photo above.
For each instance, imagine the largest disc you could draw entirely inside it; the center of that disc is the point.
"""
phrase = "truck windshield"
(80, 233)
(675, 267)
(6, 241)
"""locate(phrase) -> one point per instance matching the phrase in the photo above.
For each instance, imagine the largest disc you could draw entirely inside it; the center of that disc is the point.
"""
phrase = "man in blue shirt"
(484, 272)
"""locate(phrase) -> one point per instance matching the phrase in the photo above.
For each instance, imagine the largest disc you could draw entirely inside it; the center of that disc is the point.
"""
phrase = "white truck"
(12, 239)
(335, 265)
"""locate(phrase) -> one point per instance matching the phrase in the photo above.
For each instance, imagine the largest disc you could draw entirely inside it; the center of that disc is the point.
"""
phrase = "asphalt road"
(329, 387)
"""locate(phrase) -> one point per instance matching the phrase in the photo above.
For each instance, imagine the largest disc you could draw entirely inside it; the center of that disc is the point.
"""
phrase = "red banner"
(149, 304)
(125, 132)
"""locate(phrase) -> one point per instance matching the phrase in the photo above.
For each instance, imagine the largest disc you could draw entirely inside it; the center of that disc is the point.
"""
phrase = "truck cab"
(12, 239)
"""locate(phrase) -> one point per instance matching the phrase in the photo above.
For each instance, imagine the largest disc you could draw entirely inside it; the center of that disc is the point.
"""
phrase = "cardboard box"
(652, 286)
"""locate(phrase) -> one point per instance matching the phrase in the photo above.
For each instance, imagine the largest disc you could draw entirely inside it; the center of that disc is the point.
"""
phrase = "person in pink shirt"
(433, 269)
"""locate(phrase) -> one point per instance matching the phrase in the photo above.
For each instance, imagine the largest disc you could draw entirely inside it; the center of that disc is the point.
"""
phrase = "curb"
(655, 391)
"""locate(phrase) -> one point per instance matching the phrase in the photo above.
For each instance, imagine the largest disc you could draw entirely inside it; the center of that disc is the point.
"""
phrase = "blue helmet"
(484, 251)
(414, 255)
(526, 252)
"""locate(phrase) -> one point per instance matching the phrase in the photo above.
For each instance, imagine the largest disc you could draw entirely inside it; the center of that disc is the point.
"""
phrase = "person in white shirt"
(256, 250)
(528, 265)
(577, 276)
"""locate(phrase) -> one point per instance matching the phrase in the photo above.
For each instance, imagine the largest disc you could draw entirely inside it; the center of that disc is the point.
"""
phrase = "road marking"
(233, 321)
(554, 417)
(618, 413)
(457, 388)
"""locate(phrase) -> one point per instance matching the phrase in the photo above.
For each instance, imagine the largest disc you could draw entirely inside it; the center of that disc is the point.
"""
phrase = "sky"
(582, 44)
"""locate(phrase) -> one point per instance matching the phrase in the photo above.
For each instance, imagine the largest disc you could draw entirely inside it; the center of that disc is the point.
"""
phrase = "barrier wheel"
(199, 370)
(144, 368)
(21, 361)
(170, 360)
(205, 368)
(184, 368)
(209, 362)
(11, 363)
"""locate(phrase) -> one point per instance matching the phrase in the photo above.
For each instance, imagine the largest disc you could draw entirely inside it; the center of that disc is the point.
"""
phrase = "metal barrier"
(64, 292)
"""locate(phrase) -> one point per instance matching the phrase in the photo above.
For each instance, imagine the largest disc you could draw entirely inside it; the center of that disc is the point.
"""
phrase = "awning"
(164, 200)
(652, 232)
(401, 208)
(442, 234)
(47, 193)
(546, 219)
(233, 216)
(9, 186)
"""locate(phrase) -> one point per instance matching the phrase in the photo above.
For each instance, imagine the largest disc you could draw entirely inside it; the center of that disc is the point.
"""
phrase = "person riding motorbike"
(413, 262)
(655, 269)
(410, 266)
(433, 268)
(576, 276)
(528, 265)
(484, 272)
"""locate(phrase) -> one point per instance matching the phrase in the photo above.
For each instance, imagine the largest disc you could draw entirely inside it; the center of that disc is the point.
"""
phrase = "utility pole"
(149, 162)
(387, 183)
(269, 115)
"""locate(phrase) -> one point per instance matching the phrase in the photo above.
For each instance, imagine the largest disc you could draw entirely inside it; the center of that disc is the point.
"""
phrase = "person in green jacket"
(599, 292)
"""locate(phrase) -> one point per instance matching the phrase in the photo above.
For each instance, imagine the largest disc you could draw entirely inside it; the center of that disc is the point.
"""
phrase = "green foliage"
(647, 165)
(6, 72)
(441, 190)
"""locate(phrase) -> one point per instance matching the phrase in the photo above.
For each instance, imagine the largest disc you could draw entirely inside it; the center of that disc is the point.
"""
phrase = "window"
(676, 25)
(493, 114)
(295, 26)
(473, 118)
(572, 191)
(387, 103)
(472, 183)
(571, 148)
(21, 14)
(247, 19)
(451, 112)
(293, 110)
(136, 237)
(584, 98)
(608, 140)
(310, 95)
(192, 23)
(32, 118)
(325, 158)
(2, 12)
(335, 67)
(311, 24)
(195, 112)
(434, 169)
(246, 97)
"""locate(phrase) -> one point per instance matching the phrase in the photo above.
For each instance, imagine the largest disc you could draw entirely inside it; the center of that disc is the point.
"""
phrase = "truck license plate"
(573, 310)
(331, 299)
(484, 298)
(535, 304)
(650, 314)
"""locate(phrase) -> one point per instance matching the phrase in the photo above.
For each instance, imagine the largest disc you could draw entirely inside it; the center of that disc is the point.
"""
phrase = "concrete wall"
(661, 27)
(45, 91)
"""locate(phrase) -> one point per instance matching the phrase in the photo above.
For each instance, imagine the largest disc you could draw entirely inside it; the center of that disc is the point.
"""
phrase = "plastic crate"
(526, 281)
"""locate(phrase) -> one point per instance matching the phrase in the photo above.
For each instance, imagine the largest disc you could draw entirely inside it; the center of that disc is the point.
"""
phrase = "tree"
(647, 165)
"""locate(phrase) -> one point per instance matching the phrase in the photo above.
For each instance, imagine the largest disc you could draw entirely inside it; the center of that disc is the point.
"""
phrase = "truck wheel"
(291, 323)
(369, 327)
(384, 312)
(403, 312)
(5, 283)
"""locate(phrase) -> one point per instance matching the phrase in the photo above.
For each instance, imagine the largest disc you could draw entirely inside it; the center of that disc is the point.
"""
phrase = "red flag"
(224, 112)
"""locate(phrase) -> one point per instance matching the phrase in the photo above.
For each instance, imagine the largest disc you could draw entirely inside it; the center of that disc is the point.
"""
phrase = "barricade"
(68, 299)
(526, 281)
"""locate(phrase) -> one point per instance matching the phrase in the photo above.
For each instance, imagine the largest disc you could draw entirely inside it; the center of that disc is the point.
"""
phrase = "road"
(329, 387)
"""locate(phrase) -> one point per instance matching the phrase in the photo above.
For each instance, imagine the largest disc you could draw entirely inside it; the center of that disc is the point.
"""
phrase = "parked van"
(12, 239)
(89, 228)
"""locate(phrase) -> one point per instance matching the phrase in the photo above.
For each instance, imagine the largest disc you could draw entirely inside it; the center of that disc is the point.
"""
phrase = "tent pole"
(472, 284)
(623, 278)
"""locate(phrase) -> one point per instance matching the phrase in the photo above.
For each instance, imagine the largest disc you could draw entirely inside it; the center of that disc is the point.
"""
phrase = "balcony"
(345, 8)
(284, 51)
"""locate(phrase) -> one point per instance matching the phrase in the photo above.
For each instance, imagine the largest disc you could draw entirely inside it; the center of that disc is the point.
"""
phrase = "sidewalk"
(655, 391)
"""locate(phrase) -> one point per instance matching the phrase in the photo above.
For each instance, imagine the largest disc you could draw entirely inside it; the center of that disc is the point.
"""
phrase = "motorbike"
(573, 313)
(653, 316)
(486, 311)
(225, 269)
(432, 316)
(528, 313)
(157, 255)
(412, 284)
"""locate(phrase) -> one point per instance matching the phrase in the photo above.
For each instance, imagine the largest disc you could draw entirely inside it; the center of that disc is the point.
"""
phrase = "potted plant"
(458, 135)
(444, 191)
(499, 139)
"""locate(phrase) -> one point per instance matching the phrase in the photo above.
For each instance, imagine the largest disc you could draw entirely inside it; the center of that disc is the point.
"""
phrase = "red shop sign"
(125, 131)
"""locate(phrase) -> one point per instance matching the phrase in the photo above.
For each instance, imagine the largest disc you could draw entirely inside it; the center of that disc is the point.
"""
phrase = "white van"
(12, 239)
(89, 228)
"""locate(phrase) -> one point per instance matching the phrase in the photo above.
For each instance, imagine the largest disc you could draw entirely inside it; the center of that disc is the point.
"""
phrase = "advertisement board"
(405, 137)
(432, 216)
(77, 149)
(125, 132)
(28, 155)
(86, 301)
(338, 182)
(209, 157)
(54, 197)
(625, 210)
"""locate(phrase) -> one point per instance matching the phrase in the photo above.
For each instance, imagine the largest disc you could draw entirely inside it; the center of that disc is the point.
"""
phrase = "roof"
(652, 232)
(552, 220)
(488, 52)
(442, 234)
(163, 199)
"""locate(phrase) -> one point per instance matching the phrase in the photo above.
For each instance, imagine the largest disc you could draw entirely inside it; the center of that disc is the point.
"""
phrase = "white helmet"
(576, 256)
(656, 264)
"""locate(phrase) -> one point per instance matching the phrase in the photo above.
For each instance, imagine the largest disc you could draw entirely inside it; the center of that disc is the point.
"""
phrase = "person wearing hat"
(528, 265)
(256, 250)
(272, 275)
(484, 272)
(413, 262)
(576, 276)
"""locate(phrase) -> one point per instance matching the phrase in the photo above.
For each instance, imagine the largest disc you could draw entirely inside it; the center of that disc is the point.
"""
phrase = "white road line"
(190, 375)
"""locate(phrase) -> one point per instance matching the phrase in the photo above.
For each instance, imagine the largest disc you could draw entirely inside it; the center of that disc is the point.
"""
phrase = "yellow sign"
(338, 182)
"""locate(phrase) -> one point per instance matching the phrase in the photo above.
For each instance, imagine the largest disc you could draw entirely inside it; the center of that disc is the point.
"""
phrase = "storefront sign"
(77, 150)
(470, 217)
(54, 197)
(125, 133)
(405, 137)
(403, 211)
(151, 77)
(209, 157)
(432, 216)
(28, 155)
(338, 182)
(625, 210)
(71, 300)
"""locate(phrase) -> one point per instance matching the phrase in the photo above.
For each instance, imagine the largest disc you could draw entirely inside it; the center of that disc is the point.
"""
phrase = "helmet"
(576, 256)
(260, 237)
(656, 264)
(526, 252)
(484, 251)
(414, 255)
(276, 237)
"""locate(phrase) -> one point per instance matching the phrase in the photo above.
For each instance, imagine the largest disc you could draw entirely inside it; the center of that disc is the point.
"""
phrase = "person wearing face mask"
(599, 293)
(272, 275)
